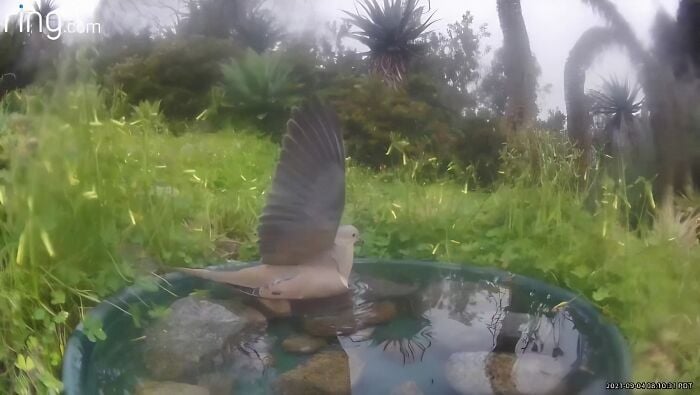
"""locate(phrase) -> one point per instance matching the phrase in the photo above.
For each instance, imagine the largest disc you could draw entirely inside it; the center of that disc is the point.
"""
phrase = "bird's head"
(347, 235)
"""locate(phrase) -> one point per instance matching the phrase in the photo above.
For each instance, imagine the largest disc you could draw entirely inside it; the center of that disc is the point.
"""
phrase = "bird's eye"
(353, 235)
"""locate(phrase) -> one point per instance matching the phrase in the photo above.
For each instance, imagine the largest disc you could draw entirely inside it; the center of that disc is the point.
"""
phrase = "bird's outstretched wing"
(307, 197)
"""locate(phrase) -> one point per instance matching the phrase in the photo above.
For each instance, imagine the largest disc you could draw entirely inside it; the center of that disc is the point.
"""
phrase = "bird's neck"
(343, 256)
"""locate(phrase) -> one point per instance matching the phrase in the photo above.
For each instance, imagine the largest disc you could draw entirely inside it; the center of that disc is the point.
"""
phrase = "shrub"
(180, 73)
(261, 89)
(385, 126)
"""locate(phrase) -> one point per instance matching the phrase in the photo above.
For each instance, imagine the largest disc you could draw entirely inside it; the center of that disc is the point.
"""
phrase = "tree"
(520, 73)
(390, 31)
(492, 89)
(555, 121)
(667, 94)
(688, 17)
(617, 102)
(27, 54)
(580, 59)
(453, 59)
(244, 20)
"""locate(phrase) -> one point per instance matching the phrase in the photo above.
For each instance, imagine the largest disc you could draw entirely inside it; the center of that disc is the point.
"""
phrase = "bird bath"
(407, 328)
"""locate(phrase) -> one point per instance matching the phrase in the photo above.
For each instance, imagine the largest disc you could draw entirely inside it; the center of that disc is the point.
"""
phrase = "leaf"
(581, 271)
(25, 364)
(159, 312)
(39, 314)
(61, 317)
(58, 297)
(601, 294)
(93, 330)
(136, 315)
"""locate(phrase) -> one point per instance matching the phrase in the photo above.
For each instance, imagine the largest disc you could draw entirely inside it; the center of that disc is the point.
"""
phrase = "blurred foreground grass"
(91, 201)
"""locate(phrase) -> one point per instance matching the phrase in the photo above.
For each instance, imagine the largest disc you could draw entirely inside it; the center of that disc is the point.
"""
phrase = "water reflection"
(453, 315)
(410, 337)
(437, 332)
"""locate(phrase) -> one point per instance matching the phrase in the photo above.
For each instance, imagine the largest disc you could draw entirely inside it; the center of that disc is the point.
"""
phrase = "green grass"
(90, 204)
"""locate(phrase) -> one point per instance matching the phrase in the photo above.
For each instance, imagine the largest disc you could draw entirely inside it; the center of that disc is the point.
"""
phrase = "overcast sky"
(553, 27)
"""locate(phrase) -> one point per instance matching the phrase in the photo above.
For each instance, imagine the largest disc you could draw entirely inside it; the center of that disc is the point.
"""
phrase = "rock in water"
(303, 344)
(538, 373)
(484, 373)
(190, 338)
(352, 320)
(379, 313)
(326, 373)
(169, 388)
(218, 383)
(252, 316)
(379, 288)
(465, 373)
(407, 388)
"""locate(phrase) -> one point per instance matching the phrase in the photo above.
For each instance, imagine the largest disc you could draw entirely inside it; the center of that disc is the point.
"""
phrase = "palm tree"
(520, 70)
(689, 29)
(588, 46)
(617, 102)
(665, 95)
(390, 31)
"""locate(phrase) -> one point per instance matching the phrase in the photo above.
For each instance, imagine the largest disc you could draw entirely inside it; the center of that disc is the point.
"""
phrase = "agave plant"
(261, 85)
(619, 104)
(390, 31)
(42, 12)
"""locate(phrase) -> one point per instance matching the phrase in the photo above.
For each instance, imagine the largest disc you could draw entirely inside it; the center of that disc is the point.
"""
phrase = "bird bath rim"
(79, 348)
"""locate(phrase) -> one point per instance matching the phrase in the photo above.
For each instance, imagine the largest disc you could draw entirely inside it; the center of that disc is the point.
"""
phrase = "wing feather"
(307, 197)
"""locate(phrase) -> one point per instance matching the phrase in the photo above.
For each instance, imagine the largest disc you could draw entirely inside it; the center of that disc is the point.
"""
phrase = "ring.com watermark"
(51, 23)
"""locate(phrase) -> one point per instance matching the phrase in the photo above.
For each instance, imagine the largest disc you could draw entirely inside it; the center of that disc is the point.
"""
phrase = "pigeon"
(305, 252)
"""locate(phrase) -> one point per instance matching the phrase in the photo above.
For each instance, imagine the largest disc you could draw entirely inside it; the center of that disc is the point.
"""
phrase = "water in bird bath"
(405, 329)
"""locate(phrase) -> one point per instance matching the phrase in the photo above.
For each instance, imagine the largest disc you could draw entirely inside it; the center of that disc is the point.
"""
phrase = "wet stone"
(407, 388)
(379, 288)
(218, 383)
(350, 321)
(326, 373)
(303, 344)
(190, 339)
(170, 388)
(253, 317)
(253, 357)
(484, 373)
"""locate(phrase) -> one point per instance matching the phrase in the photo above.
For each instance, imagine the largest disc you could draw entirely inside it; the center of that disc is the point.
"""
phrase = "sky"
(553, 27)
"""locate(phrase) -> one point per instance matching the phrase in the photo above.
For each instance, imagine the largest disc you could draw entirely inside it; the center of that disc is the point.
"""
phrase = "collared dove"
(305, 253)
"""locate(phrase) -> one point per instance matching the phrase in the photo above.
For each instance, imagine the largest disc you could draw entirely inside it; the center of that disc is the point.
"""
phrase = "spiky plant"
(619, 104)
(591, 43)
(263, 86)
(44, 8)
(390, 30)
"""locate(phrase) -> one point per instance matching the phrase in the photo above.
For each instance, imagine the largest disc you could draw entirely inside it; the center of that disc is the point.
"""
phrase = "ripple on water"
(426, 330)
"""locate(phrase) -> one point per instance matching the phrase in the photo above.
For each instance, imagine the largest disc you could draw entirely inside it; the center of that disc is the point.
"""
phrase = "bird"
(305, 253)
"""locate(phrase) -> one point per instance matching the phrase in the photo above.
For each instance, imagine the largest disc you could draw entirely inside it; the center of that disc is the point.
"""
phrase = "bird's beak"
(360, 241)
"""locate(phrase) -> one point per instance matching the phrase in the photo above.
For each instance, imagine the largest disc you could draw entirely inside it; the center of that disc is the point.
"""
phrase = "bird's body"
(305, 253)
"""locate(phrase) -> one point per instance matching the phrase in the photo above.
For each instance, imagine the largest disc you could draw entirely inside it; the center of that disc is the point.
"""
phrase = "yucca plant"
(262, 86)
(619, 104)
(390, 31)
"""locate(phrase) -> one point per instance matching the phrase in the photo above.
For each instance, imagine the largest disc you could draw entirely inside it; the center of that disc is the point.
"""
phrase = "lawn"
(91, 202)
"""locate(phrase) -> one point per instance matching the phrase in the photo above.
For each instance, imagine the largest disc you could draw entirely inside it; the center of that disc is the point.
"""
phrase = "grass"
(91, 202)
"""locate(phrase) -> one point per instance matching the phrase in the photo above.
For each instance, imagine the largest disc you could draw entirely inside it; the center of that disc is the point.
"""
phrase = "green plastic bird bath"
(453, 323)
